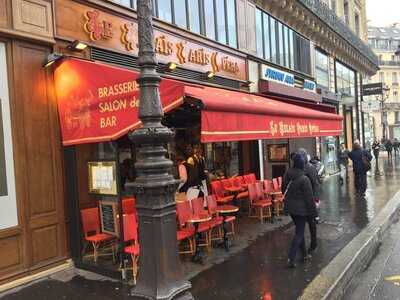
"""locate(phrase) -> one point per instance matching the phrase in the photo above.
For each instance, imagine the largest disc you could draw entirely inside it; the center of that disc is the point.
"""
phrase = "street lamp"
(382, 98)
(160, 272)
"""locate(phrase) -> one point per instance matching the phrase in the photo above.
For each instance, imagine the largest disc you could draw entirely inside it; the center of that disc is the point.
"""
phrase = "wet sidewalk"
(257, 271)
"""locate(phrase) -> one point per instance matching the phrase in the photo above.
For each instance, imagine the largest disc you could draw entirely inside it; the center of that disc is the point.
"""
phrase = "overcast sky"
(383, 12)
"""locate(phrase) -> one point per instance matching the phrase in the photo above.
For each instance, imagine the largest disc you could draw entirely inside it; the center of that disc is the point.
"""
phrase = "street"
(258, 271)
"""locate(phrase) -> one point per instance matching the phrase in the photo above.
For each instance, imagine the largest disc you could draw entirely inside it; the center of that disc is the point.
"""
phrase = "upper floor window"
(128, 3)
(194, 16)
(357, 23)
(382, 44)
(164, 10)
(345, 80)
(321, 69)
(209, 18)
(381, 77)
(346, 12)
(394, 77)
(180, 13)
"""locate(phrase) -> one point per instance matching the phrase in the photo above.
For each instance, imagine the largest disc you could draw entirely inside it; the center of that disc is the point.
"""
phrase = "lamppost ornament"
(160, 274)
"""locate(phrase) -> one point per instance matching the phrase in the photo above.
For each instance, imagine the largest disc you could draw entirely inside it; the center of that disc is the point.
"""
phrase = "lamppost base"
(180, 293)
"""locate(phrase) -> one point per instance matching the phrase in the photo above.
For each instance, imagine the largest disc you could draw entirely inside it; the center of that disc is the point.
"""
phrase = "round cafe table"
(225, 211)
(196, 220)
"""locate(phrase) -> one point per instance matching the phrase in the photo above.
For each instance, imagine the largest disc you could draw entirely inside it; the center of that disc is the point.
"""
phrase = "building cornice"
(316, 21)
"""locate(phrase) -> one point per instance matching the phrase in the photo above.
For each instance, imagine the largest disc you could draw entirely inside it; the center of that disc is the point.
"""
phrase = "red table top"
(222, 209)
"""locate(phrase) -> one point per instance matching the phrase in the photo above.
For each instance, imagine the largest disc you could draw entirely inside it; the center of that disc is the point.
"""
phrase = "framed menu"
(278, 152)
(103, 177)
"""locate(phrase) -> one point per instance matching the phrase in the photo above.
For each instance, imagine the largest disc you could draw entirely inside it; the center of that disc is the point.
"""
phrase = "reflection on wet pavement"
(259, 271)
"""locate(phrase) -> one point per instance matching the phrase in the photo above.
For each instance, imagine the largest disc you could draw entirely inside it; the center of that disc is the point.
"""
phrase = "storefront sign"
(121, 34)
(272, 74)
(309, 85)
(97, 102)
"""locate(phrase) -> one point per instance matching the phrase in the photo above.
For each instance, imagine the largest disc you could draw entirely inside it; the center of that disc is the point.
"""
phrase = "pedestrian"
(396, 146)
(299, 204)
(194, 185)
(311, 172)
(389, 148)
(361, 165)
(343, 158)
(200, 161)
(376, 147)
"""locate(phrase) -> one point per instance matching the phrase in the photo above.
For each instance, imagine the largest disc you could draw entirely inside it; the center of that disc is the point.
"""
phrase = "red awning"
(98, 102)
(232, 116)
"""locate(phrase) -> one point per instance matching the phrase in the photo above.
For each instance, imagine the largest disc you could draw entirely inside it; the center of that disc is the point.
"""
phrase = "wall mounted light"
(209, 74)
(171, 66)
(51, 59)
(77, 46)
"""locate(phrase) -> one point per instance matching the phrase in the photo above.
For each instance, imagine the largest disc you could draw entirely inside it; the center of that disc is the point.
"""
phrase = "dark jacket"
(299, 196)
(311, 172)
(356, 156)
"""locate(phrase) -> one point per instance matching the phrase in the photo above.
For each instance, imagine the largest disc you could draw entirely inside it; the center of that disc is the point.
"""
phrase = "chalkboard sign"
(109, 217)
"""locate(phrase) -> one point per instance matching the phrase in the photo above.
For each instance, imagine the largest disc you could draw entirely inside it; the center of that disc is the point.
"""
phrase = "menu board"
(108, 217)
(102, 177)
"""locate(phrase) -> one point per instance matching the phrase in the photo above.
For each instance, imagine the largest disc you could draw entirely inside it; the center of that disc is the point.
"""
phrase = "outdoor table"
(225, 211)
(196, 220)
(234, 190)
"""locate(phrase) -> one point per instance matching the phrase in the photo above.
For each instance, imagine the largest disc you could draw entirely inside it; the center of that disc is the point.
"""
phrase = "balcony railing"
(321, 10)
(389, 63)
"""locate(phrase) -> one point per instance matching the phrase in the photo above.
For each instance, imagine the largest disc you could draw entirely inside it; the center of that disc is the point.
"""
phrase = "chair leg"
(95, 246)
(233, 228)
(134, 267)
(261, 215)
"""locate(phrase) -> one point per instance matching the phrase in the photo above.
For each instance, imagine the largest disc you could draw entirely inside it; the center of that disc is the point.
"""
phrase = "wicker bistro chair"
(259, 203)
(250, 178)
(212, 209)
(277, 198)
(185, 231)
(92, 232)
(131, 236)
(219, 192)
(207, 227)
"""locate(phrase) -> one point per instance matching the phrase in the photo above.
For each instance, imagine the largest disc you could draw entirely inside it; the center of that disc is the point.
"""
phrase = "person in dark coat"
(376, 147)
(311, 172)
(359, 156)
(299, 204)
(389, 148)
(396, 145)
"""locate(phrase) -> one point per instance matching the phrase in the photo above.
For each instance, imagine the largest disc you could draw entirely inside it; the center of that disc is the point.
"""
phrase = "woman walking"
(299, 204)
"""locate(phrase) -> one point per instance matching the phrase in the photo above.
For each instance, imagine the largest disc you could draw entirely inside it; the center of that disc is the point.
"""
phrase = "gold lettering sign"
(120, 34)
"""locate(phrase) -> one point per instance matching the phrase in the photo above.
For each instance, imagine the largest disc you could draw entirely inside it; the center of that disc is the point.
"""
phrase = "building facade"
(299, 53)
(385, 41)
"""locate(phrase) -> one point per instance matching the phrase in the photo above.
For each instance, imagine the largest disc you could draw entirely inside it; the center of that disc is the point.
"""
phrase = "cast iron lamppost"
(160, 273)
(382, 98)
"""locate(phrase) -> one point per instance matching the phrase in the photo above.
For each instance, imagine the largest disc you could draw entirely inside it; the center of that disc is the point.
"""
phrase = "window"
(259, 33)
(267, 43)
(129, 3)
(291, 49)
(382, 44)
(280, 43)
(164, 10)
(381, 77)
(371, 42)
(394, 77)
(333, 5)
(286, 43)
(180, 13)
(397, 117)
(221, 25)
(231, 20)
(395, 96)
(274, 50)
(209, 18)
(357, 23)
(194, 15)
(321, 69)
(346, 12)
(345, 81)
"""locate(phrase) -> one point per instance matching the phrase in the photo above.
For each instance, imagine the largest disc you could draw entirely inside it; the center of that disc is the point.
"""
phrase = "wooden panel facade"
(40, 238)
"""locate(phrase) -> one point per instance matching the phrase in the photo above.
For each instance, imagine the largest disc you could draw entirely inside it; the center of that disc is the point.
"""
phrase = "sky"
(383, 12)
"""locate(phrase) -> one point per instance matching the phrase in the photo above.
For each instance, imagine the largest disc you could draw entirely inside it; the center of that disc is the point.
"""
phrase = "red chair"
(131, 237)
(277, 197)
(258, 203)
(237, 183)
(212, 209)
(204, 227)
(250, 178)
(185, 231)
(280, 182)
(129, 206)
(91, 230)
(218, 191)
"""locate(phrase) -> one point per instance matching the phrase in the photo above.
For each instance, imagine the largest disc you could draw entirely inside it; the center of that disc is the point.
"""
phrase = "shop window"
(231, 21)
(382, 44)
(397, 117)
(222, 159)
(259, 33)
(180, 13)
(194, 15)
(209, 18)
(164, 10)
(221, 24)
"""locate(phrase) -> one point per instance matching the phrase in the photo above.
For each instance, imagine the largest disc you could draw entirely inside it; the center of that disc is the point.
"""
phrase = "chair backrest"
(237, 181)
(198, 205)
(211, 204)
(280, 182)
(130, 228)
(226, 183)
(268, 185)
(250, 178)
(260, 190)
(252, 192)
(275, 184)
(216, 188)
(183, 212)
(128, 206)
(90, 220)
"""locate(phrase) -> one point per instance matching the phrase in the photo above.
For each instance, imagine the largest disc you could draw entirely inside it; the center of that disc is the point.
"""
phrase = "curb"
(332, 281)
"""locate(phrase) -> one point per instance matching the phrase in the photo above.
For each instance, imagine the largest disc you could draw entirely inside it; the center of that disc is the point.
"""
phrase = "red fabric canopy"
(98, 102)
(232, 116)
